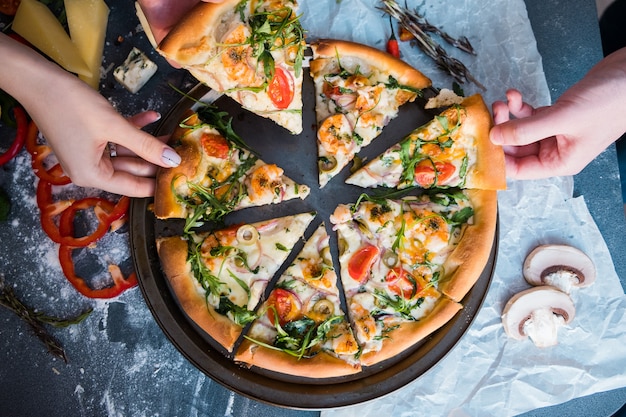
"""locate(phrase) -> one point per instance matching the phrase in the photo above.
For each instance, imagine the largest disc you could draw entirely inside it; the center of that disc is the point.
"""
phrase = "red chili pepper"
(38, 154)
(392, 43)
(20, 136)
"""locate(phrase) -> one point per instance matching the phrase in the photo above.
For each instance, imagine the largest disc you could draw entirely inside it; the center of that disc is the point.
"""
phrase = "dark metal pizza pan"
(297, 156)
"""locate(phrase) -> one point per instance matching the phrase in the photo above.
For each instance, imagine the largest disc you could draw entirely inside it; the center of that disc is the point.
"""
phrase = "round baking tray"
(297, 155)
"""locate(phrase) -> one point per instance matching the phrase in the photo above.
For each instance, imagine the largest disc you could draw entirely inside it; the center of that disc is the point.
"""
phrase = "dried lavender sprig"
(36, 319)
(461, 43)
(452, 66)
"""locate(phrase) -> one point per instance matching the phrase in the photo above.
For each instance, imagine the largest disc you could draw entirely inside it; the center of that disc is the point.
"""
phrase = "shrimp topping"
(265, 184)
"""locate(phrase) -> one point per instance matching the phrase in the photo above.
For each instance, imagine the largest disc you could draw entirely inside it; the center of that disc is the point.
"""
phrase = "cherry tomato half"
(402, 283)
(425, 172)
(215, 145)
(287, 306)
(361, 262)
(281, 88)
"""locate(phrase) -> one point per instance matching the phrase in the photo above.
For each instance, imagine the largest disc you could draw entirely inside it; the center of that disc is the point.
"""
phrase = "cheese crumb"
(135, 72)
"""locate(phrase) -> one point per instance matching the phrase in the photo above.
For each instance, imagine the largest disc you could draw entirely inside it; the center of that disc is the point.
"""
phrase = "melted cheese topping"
(419, 238)
(442, 140)
(236, 177)
(245, 268)
(318, 298)
(354, 101)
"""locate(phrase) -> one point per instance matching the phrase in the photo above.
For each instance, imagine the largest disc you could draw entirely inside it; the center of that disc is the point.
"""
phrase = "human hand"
(79, 123)
(83, 150)
(563, 138)
(162, 15)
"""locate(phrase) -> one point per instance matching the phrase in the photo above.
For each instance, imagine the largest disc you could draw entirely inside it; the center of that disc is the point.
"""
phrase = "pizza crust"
(466, 263)
(165, 203)
(489, 171)
(190, 42)
(191, 297)
(409, 334)
(321, 365)
(196, 43)
(384, 62)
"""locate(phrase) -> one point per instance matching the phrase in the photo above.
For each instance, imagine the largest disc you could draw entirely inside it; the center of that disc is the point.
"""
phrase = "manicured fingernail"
(158, 116)
(170, 157)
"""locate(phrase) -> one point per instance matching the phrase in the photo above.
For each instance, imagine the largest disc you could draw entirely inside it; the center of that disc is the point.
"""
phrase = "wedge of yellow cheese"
(38, 25)
(87, 21)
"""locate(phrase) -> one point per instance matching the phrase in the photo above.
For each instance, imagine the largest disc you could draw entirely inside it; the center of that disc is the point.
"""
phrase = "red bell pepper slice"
(50, 209)
(120, 284)
(107, 212)
(20, 136)
(38, 154)
(101, 208)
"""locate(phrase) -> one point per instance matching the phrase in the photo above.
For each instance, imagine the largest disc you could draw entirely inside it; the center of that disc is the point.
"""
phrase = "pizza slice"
(218, 173)
(358, 90)
(406, 264)
(250, 50)
(301, 328)
(452, 150)
(218, 277)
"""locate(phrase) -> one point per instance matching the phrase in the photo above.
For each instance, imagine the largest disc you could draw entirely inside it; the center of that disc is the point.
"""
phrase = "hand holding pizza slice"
(250, 50)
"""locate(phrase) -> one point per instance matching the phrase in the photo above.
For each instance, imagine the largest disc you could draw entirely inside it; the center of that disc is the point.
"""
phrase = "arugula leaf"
(241, 315)
(222, 121)
(300, 338)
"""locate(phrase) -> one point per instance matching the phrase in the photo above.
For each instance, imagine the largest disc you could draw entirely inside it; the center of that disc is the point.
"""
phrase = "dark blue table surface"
(568, 39)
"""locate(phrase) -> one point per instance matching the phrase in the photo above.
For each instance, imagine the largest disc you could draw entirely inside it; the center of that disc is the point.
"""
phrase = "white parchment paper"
(499, 30)
(487, 374)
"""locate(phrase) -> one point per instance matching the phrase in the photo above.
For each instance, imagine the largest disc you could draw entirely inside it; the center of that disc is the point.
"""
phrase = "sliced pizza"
(250, 50)
(218, 277)
(406, 264)
(218, 173)
(301, 328)
(358, 90)
(452, 150)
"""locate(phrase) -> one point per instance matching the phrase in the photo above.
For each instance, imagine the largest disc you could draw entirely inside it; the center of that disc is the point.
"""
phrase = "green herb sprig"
(36, 319)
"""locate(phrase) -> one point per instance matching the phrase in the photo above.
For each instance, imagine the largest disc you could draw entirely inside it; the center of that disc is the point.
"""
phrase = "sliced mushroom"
(538, 313)
(561, 266)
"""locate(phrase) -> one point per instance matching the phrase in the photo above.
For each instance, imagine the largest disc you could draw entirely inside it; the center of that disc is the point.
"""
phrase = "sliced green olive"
(324, 307)
(364, 229)
(325, 253)
(239, 262)
(342, 245)
(327, 163)
(390, 259)
(247, 235)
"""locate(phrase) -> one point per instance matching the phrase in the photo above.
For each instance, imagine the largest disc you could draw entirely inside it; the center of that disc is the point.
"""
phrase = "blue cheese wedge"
(136, 70)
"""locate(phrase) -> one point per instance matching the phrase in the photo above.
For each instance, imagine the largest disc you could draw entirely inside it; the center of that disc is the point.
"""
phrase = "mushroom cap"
(521, 306)
(572, 263)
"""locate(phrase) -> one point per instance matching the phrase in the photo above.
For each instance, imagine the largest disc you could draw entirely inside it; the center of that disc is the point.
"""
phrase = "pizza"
(250, 50)
(358, 90)
(451, 150)
(301, 328)
(218, 174)
(218, 277)
(406, 264)
(404, 260)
